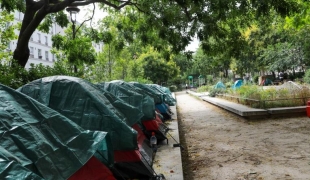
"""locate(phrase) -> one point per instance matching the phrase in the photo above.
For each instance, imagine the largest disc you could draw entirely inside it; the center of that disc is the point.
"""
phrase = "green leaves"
(11, 5)
(7, 34)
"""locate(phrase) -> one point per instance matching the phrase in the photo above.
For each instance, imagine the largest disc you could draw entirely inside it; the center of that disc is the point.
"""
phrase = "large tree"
(176, 21)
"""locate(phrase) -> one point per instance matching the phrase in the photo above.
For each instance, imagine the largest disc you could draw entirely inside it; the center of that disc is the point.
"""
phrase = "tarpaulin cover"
(149, 124)
(168, 98)
(158, 97)
(131, 95)
(83, 103)
(41, 140)
(13, 170)
(121, 108)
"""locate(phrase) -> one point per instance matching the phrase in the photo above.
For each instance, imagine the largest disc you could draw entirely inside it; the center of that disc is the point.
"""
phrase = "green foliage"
(77, 52)
(11, 5)
(204, 88)
(229, 84)
(210, 79)
(173, 88)
(258, 97)
(215, 91)
(16, 76)
(156, 69)
(255, 79)
(307, 77)
(6, 35)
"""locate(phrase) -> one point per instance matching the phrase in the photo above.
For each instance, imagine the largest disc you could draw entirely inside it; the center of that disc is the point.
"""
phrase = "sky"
(86, 12)
(193, 46)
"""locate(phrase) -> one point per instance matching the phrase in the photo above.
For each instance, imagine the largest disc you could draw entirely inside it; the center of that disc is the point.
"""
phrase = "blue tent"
(219, 85)
(237, 84)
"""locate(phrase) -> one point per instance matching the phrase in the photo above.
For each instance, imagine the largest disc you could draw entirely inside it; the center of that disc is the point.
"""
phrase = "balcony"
(31, 56)
(40, 57)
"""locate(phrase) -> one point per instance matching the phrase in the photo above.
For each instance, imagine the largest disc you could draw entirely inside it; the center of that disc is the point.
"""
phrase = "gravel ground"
(220, 145)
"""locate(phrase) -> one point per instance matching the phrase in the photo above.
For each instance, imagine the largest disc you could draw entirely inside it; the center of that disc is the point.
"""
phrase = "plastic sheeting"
(167, 94)
(132, 95)
(37, 141)
(158, 97)
(85, 104)
(12, 170)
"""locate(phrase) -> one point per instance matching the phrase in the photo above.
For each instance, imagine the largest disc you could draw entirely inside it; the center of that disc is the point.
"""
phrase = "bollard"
(308, 109)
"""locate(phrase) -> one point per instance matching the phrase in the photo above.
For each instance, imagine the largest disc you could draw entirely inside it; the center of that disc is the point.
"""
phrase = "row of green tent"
(64, 127)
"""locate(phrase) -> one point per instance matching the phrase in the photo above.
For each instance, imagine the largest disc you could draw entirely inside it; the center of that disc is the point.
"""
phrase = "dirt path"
(220, 145)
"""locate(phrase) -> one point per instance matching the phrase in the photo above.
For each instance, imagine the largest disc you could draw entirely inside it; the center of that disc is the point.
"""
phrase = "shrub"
(229, 84)
(203, 89)
(255, 79)
(173, 88)
(213, 92)
(307, 77)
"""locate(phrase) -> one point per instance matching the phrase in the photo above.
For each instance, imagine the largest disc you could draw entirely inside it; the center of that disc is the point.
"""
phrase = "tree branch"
(87, 19)
(87, 2)
(60, 6)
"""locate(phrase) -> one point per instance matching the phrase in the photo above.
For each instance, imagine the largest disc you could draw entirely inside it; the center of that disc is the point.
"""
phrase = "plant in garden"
(204, 88)
(307, 76)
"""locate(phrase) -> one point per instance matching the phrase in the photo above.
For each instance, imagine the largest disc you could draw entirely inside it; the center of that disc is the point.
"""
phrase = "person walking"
(281, 76)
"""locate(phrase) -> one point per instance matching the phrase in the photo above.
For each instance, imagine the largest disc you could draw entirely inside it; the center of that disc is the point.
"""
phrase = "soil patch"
(221, 145)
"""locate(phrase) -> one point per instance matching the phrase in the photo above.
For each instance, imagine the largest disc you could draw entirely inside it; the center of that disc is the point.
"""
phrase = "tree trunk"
(32, 19)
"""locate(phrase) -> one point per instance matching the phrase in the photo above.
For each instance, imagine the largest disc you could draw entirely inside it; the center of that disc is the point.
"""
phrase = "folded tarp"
(83, 103)
(38, 139)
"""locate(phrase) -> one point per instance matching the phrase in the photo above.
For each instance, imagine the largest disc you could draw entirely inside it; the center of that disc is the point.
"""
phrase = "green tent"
(37, 141)
(158, 97)
(84, 104)
(168, 98)
(132, 95)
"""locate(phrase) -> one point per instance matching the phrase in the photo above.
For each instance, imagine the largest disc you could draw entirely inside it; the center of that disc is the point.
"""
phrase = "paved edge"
(248, 112)
(168, 159)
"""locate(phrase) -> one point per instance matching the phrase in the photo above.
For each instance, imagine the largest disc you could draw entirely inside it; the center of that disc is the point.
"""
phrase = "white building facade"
(40, 44)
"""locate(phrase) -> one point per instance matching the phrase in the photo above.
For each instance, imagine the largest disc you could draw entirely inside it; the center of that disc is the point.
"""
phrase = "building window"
(46, 42)
(31, 52)
(39, 37)
(39, 54)
(46, 55)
